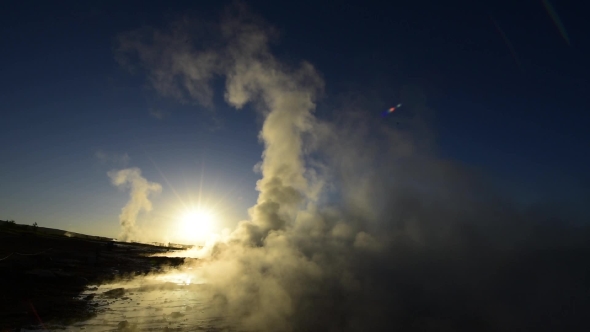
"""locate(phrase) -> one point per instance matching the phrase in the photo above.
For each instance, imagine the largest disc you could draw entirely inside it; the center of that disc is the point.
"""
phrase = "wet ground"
(166, 302)
(48, 279)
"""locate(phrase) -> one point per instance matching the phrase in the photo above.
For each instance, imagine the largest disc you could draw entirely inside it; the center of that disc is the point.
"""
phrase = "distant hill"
(60, 232)
(54, 231)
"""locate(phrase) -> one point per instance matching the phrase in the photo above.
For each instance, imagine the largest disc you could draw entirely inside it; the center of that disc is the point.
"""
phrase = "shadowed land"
(43, 272)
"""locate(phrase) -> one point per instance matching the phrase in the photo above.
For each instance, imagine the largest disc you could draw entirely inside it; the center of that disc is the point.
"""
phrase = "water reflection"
(172, 301)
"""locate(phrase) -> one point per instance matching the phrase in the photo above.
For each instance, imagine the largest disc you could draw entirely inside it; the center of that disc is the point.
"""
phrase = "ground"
(42, 274)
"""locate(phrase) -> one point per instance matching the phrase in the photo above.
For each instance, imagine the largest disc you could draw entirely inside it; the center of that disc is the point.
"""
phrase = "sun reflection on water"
(178, 299)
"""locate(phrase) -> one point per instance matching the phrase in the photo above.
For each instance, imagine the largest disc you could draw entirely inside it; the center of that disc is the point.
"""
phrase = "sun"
(197, 224)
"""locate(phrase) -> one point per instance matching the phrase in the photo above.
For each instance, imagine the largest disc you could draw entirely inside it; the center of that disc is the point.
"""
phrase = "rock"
(176, 314)
(117, 292)
(122, 325)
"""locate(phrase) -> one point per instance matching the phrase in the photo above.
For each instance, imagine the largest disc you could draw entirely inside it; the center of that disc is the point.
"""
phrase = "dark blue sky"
(522, 117)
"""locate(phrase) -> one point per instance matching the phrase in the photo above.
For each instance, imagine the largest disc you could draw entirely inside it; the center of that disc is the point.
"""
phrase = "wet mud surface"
(54, 280)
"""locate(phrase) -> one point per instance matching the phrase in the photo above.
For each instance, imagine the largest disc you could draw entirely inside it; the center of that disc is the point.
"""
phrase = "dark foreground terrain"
(43, 273)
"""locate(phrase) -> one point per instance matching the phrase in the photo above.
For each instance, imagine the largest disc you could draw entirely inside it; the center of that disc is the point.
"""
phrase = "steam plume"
(139, 190)
(411, 242)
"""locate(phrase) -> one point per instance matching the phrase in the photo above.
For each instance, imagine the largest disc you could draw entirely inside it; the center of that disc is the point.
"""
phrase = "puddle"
(175, 301)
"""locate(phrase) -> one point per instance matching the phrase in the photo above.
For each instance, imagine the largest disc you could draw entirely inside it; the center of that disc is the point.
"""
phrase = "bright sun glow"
(197, 224)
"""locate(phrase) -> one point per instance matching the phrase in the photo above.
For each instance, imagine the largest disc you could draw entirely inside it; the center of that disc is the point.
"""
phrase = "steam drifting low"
(413, 243)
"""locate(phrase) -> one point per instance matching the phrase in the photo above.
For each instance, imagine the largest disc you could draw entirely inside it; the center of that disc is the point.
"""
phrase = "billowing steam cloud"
(139, 190)
(415, 243)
